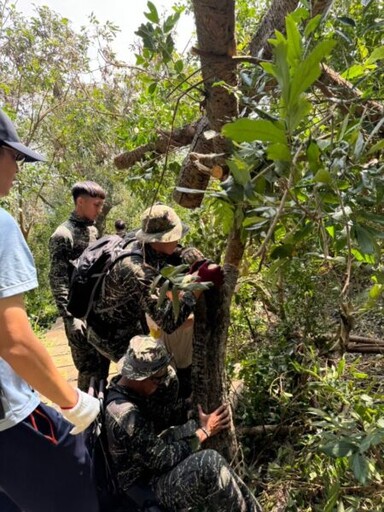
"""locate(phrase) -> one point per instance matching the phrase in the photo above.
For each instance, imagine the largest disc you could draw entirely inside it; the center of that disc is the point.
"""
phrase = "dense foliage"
(305, 188)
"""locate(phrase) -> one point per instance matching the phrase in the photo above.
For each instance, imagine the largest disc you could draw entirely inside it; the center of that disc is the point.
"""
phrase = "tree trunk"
(209, 348)
(273, 20)
(215, 27)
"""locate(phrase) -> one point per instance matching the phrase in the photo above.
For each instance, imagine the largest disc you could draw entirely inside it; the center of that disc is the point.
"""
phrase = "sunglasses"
(18, 157)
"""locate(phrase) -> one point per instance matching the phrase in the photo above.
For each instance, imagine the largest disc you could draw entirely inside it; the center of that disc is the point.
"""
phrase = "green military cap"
(145, 357)
(160, 223)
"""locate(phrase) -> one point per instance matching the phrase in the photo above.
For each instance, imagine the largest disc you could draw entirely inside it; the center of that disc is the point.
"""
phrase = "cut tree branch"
(178, 138)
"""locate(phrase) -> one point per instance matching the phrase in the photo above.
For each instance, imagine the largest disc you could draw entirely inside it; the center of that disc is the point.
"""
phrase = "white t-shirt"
(17, 275)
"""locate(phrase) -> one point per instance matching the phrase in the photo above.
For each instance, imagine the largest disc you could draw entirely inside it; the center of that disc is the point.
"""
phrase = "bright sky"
(126, 14)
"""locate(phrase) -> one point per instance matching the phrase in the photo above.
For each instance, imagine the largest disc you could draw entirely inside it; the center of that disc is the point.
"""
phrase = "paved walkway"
(56, 343)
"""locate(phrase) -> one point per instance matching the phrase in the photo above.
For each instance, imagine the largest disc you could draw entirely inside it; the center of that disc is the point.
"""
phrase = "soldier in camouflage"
(119, 312)
(181, 474)
(65, 245)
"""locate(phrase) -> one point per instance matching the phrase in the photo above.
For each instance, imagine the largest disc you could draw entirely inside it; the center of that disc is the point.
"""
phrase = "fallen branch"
(364, 349)
(356, 338)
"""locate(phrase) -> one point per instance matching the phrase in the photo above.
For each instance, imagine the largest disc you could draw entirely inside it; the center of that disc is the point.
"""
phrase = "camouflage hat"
(145, 357)
(161, 223)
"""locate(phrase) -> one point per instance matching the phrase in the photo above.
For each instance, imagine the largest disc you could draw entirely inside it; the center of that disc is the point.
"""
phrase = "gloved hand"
(190, 255)
(209, 271)
(76, 330)
(83, 413)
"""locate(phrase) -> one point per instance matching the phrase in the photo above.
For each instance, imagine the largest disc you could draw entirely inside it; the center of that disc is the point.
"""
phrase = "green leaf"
(323, 176)
(359, 256)
(342, 448)
(365, 240)
(233, 190)
(347, 21)
(312, 25)
(359, 466)
(175, 304)
(353, 72)
(152, 15)
(377, 54)
(332, 497)
(170, 22)
(152, 87)
(163, 293)
(249, 130)
(282, 251)
(179, 65)
(376, 291)
(313, 156)
(278, 151)
(293, 41)
(376, 147)
(239, 170)
(309, 70)
(297, 112)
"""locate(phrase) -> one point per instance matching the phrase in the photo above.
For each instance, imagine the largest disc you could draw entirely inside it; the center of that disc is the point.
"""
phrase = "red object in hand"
(209, 271)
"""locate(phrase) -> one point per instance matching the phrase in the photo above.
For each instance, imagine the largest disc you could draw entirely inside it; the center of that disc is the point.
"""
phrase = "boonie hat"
(144, 358)
(160, 223)
(9, 137)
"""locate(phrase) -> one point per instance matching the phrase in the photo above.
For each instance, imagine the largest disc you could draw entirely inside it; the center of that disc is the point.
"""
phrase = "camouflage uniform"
(119, 312)
(180, 476)
(66, 244)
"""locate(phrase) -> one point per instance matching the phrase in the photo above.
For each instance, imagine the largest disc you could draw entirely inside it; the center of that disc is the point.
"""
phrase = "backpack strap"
(106, 269)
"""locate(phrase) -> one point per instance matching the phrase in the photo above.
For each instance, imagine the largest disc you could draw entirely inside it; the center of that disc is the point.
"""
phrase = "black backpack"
(90, 269)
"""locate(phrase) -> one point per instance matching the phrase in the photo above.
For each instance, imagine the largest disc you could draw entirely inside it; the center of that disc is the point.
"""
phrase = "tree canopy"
(267, 138)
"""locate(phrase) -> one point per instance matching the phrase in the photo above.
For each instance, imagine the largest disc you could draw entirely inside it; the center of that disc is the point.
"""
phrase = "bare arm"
(24, 352)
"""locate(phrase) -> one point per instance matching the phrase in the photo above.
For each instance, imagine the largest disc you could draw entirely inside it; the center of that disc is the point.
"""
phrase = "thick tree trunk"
(209, 347)
(215, 26)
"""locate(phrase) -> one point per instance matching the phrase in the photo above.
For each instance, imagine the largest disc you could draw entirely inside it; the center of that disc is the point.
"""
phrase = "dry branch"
(364, 348)
(356, 338)
(180, 137)
(332, 85)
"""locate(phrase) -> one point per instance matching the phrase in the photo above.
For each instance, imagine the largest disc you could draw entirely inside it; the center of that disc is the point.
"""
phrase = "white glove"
(83, 413)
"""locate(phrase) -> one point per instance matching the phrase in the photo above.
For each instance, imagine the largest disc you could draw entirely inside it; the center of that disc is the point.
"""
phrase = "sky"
(126, 14)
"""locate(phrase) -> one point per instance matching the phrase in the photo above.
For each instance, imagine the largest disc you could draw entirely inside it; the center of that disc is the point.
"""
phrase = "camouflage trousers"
(204, 481)
(87, 360)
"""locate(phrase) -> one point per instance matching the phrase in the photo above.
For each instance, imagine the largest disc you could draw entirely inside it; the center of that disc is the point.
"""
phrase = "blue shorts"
(43, 468)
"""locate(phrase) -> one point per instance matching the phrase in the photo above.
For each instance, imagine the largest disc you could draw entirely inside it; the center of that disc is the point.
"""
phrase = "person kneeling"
(180, 473)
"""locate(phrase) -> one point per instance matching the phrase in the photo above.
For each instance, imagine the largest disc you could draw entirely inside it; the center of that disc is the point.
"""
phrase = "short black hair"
(119, 224)
(87, 188)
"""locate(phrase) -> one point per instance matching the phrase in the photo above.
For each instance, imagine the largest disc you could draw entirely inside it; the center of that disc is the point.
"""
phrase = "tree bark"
(190, 176)
(274, 19)
(348, 97)
(215, 26)
(165, 141)
(209, 348)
